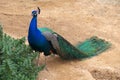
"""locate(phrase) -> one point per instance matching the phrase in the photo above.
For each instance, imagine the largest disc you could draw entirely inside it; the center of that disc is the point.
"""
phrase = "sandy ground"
(76, 20)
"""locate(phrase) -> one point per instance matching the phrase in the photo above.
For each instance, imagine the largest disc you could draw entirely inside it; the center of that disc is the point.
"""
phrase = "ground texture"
(76, 20)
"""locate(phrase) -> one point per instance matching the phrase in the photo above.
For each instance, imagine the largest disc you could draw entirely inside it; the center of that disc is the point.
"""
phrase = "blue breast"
(36, 40)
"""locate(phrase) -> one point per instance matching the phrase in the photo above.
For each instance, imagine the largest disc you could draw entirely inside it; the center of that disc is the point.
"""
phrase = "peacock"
(48, 41)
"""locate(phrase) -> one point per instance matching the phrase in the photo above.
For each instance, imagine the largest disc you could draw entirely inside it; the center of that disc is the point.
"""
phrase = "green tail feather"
(86, 49)
(93, 46)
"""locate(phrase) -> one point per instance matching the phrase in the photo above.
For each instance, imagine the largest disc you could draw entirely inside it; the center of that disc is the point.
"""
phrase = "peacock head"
(35, 12)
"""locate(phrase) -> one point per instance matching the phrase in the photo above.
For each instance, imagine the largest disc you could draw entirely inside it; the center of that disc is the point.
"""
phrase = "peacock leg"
(38, 60)
(46, 64)
(45, 60)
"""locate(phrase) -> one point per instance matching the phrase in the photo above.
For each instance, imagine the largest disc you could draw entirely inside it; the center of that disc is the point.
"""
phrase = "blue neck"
(33, 24)
(33, 31)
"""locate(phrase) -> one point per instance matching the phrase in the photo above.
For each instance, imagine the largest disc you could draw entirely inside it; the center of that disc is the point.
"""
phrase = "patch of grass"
(16, 59)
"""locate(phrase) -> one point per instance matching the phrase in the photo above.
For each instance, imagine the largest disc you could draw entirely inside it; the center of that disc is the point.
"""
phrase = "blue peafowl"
(36, 38)
(45, 40)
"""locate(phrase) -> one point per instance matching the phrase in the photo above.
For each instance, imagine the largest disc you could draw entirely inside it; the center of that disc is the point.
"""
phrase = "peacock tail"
(86, 49)
(93, 46)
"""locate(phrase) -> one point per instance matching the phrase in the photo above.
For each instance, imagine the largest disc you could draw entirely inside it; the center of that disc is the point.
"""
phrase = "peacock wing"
(50, 36)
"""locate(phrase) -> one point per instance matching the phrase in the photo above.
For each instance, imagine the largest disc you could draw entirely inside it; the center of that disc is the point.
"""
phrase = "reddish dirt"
(76, 20)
